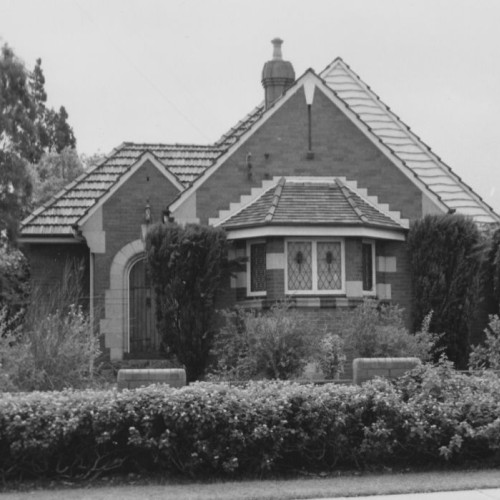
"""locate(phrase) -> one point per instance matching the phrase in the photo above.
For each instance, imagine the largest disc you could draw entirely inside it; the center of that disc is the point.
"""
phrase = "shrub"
(488, 354)
(53, 347)
(273, 344)
(445, 263)
(188, 265)
(331, 357)
(57, 353)
(432, 415)
(375, 330)
(14, 282)
(491, 269)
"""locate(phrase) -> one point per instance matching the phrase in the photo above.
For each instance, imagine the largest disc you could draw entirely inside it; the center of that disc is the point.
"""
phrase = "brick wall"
(49, 262)
(123, 215)
(279, 147)
(399, 278)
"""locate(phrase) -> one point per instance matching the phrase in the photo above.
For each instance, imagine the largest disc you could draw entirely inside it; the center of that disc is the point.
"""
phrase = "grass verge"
(345, 485)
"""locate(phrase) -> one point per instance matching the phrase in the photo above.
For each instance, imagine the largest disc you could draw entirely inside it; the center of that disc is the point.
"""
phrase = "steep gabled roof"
(191, 165)
(185, 162)
(309, 201)
(391, 131)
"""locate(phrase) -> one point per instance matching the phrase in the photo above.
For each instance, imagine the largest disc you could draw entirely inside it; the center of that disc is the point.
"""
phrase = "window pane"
(258, 267)
(367, 267)
(300, 265)
(329, 266)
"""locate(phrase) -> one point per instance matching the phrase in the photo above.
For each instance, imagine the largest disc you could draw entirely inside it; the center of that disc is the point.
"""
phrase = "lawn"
(291, 489)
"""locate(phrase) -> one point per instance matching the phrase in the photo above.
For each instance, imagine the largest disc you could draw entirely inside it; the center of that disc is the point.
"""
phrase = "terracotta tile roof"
(404, 144)
(307, 202)
(185, 161)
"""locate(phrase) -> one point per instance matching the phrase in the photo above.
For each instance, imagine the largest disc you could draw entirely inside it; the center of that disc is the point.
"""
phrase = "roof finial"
(277, 56)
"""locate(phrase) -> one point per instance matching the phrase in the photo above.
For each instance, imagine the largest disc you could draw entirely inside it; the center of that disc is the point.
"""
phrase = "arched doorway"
(144, 341)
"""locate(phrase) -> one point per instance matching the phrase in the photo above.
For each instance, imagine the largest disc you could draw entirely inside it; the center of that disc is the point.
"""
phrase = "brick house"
(316, 186)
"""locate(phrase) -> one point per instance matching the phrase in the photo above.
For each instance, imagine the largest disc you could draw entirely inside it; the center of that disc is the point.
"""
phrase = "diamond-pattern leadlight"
(329, 265)
(299, 265)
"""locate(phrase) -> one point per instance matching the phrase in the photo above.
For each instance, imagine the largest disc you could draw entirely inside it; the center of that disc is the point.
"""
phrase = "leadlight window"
(257, 268)
(368, 267)
(329, 266)
(314, 266)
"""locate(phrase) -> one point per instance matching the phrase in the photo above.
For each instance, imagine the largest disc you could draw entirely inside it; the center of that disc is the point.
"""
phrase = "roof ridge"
(350, 197)
(275, 201)
(168, 145)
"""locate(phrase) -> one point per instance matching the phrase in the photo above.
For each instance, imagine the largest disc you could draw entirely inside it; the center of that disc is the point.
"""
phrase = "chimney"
(277, 75)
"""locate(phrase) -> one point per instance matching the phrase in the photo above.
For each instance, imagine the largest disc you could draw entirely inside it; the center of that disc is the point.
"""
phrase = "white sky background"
(187, 70)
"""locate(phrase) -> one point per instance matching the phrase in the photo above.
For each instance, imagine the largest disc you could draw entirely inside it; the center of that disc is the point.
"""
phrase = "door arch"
(144, 340)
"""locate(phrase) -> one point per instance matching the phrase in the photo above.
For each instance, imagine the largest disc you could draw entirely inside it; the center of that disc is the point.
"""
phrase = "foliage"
(273, 344)
(432, 415)
(488, 354)
(17, 138)
(52, 173)
(373, 329)
(331, 356)
(52, 129)
(491, 269)
(14, 281)
(90, 161)
(27, 129)
(53, 346)
(188, 265)
(445, 264)
(17, 109)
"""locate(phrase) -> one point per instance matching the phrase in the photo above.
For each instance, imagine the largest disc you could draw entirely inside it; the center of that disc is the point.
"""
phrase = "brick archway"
(114, 325)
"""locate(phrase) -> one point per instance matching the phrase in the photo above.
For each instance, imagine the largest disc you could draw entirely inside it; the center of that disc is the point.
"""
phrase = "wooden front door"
(143, 335)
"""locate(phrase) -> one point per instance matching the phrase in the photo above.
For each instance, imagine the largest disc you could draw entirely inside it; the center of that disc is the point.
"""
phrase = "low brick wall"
(367, 368)
(136, 377)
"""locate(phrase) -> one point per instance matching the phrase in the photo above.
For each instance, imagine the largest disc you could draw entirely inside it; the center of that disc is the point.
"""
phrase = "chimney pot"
(277, 55)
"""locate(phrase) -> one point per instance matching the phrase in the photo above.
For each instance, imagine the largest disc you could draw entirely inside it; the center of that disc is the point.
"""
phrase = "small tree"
(445, 264)
(187, 264)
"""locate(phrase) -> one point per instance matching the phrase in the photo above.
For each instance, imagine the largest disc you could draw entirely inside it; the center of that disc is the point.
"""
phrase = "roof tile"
(185, 161)
(309, 202)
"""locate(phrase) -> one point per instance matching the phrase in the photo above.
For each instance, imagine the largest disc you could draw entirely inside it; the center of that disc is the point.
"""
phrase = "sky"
(185, 71)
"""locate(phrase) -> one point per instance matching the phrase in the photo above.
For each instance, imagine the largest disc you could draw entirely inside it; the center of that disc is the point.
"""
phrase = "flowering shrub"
(431, 415)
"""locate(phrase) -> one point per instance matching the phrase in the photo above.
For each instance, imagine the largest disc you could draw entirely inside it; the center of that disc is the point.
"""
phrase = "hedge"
(432, 415)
